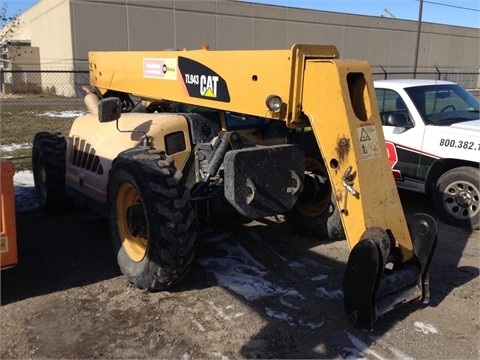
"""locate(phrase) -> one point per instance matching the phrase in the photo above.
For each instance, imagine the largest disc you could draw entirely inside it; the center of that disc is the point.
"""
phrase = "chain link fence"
(35, 101)
(469, 78)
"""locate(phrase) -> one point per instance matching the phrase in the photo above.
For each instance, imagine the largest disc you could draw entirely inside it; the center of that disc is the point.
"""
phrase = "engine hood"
(109, 139)
(93, 146)
(473, 125)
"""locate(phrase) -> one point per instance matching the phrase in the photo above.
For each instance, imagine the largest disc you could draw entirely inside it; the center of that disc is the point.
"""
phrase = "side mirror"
(399, 120)
(109, 109)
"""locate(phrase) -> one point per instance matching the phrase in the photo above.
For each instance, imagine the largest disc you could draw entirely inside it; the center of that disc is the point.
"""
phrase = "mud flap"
(371, 288)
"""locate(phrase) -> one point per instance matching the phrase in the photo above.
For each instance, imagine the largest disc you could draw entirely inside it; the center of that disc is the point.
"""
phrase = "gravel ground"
(256, 290)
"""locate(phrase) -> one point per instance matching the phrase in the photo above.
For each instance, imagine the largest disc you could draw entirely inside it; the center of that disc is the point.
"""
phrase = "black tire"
(151, 219)
(318, 218)
(48, 165)
(456, 197)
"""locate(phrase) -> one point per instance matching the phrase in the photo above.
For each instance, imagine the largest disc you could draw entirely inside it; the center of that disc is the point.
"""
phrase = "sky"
(450, 12)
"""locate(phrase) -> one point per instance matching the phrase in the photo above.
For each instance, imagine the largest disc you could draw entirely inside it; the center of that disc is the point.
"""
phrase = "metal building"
(65, 30)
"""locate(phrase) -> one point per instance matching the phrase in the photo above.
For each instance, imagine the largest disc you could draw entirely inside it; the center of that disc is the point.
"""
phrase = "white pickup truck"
(432, 133)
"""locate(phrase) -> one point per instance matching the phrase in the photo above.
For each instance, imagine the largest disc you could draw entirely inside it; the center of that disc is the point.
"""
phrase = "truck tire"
(319, 218)
(48, 166)
(456, 197)
(151, 219)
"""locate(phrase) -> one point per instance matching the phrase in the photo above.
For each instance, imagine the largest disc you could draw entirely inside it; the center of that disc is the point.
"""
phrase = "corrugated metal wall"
(226, 24)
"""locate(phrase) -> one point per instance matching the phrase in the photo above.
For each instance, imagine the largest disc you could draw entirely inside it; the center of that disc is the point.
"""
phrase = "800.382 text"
(459, 144)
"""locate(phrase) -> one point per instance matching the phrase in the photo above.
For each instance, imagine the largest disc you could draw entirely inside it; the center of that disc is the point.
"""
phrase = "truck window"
(389, 101)
(444, 104)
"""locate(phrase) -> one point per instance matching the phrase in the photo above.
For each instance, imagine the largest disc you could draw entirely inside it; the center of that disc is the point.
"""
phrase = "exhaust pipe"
(91, 100)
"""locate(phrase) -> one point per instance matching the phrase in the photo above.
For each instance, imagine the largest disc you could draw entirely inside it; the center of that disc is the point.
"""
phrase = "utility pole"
(419, 28)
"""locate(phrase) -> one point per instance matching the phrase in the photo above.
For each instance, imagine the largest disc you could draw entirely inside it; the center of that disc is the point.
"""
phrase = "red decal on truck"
(393, 158)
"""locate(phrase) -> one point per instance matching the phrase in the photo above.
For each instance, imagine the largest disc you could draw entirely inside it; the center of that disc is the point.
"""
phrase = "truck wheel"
(456, 197)
(319, 218)
(151, 219)
(48, 165)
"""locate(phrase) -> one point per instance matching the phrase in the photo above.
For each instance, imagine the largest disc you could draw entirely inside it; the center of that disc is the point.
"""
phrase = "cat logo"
(201, 81)
(208, 86)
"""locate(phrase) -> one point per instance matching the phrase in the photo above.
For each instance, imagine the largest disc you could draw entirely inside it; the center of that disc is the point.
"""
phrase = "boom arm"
(227, 80)
(333, 97)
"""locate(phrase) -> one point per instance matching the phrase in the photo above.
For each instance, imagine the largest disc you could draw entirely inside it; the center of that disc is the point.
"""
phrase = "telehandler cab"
(175, 137)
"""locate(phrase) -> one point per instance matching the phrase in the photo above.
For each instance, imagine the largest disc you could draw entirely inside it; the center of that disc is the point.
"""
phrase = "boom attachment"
(311, 90)
(374, 285)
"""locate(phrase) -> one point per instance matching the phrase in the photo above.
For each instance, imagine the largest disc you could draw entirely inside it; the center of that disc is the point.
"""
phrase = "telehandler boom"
(320, 139)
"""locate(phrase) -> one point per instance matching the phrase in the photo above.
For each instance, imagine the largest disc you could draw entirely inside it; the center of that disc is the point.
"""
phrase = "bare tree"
(8, 24)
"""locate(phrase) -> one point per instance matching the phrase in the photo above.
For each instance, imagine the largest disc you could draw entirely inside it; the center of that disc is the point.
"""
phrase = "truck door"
(403, 136)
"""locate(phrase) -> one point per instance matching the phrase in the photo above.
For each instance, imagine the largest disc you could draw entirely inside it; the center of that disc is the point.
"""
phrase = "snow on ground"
(13, 147)
(25, 196)
(64, 114)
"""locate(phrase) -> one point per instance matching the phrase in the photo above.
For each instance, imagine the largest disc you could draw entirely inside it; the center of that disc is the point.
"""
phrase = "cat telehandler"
(179, 138)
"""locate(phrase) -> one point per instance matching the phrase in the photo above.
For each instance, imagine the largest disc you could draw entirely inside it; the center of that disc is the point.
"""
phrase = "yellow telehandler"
(178, 138)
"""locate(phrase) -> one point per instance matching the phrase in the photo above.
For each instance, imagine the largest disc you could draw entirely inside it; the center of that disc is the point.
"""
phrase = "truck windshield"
(444, 104)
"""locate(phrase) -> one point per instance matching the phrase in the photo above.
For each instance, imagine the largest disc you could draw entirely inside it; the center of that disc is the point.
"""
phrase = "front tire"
(456, 197)
(48, 166)
(151, 219)
(317, 217)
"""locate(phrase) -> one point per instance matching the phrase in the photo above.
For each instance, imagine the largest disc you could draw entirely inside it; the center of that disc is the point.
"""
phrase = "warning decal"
(370, 148)
(364, 136)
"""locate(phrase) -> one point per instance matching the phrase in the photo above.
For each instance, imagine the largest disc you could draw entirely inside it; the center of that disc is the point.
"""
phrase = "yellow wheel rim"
(135, 245)
(314, 208)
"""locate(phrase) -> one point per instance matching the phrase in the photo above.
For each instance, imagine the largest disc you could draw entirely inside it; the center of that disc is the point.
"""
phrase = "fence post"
(385, 74)
(439, 76)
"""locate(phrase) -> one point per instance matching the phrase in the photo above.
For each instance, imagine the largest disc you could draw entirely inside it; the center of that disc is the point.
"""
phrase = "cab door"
(404, 138)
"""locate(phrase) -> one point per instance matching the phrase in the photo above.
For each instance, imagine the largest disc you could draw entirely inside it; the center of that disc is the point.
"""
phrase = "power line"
(451, 6)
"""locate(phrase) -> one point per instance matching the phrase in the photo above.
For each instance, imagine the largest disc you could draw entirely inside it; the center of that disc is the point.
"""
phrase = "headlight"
(274, 102)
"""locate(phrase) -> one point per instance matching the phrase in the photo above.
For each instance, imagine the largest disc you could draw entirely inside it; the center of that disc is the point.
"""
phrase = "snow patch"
(242, 274)
(361, 349)
(425, 328)
(329, 294)
(319, 277)
(13, 147)
(311, 324)
(25, 195)
(279, 315)
(198, 325)
(397, 353)
(64, 114)
(222, 314)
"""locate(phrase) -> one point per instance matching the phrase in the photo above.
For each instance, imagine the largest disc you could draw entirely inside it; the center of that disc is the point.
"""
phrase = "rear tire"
(456, 197)
(48, 165)
(151, 219)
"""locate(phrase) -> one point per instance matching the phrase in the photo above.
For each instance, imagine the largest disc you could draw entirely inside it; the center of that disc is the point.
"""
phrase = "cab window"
(389, 102)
